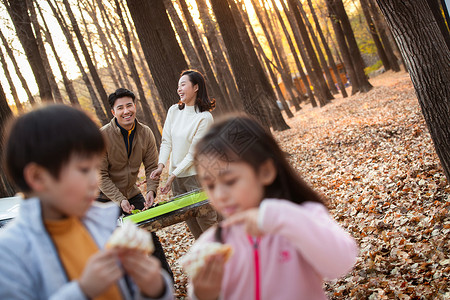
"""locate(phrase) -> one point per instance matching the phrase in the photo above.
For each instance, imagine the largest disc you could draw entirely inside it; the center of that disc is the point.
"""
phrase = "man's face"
(125, 112)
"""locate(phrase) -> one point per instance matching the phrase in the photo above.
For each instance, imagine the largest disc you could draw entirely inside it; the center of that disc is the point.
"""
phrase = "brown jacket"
(118, 173)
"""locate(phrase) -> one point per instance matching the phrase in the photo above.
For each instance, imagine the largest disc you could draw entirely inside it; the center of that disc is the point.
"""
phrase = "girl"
(285, 243)
(185, 124)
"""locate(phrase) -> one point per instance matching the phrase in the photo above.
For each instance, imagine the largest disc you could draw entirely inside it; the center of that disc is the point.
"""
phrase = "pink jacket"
(302, 246)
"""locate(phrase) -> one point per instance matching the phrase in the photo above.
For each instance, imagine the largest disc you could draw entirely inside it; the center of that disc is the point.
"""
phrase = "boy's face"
(125, 112)
(74, 191)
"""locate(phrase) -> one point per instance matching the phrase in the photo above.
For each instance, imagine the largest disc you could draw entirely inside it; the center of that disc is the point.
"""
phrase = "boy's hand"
(101, 271)
(126, 206)
(208, 281)
(249, 218)
(145, 272)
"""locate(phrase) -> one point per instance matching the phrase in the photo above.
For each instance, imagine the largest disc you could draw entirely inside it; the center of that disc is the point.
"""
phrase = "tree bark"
(437, 13)
(6, 188)
(427, 58)
(16, 67)
(134, 73)
(161, 49)
(22, 22)
(93, 71)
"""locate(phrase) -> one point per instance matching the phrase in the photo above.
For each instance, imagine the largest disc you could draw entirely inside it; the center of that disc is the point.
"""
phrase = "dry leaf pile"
(372, 158)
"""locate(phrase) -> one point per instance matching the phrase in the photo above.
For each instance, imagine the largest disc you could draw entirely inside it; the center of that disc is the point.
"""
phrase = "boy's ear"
(35, 176)
(267, 172)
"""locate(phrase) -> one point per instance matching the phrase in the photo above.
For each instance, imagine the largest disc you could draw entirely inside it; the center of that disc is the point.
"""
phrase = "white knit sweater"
(182, 129)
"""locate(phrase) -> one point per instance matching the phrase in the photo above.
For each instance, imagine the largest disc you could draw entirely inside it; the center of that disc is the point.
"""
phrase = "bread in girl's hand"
(194, 260)
(129, 236)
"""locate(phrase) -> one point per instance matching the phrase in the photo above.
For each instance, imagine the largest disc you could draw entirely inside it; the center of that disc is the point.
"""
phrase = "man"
(129, 144)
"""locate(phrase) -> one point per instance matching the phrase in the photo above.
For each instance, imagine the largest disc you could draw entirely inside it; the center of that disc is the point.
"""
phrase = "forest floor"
(372, 158)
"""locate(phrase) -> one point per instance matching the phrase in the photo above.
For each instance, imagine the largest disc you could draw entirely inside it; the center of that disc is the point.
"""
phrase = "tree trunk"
(134, 73)
(88, 33)
(321, 88)
(64, 28)
(16, 67)
(427, 58)
(67, 82)
(6, 189)
(11, 83)
(274, 116)
(253, 95)
(381, 26)
(345, 51)
(48, 69)
(19, 15)
(358, 63)
(223, 103)
(373, 32)
(323, 61)
(161, 49)
(437, 13)
(191, 54)
(222, 67)
(93, 71)
(328, 51)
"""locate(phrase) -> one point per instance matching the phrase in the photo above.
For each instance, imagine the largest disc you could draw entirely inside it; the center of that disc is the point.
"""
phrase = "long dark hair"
(202, 103)
(239, 138)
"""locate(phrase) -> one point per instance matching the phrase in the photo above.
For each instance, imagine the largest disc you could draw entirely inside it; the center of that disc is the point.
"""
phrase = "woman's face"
(187, 91)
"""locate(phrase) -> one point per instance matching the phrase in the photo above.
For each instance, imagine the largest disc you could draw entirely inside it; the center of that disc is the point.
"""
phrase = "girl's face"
(74, 191)
(232, 187)
(187, 91)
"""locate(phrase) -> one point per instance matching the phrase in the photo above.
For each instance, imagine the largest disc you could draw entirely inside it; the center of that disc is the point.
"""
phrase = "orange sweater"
(75, 246)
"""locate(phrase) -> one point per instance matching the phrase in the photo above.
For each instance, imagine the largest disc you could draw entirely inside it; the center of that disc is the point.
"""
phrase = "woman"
(186, 123)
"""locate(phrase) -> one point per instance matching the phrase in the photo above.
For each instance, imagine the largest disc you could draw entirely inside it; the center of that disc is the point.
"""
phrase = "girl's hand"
(208, 281)
(249, 218)
(156, 173)
(145, 272)
(101, 271)
(168, 186)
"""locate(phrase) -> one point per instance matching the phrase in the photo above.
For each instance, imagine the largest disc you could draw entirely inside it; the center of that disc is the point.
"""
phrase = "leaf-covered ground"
(372, 158)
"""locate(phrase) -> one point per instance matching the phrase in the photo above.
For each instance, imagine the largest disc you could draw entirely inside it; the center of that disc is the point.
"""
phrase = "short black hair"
(49, 136)
(119, 93)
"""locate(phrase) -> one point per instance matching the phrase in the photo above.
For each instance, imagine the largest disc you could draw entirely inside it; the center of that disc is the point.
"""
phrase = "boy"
(54, 249)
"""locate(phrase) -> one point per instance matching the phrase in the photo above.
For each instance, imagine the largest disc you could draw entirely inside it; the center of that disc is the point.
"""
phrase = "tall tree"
(71, 93)
(251, 91)
(384, 32)
(161, 49)
(134, 73)
(12, 87)
(427, 58)
(437, 13)
(375, 37)
(223, 71)
(6, 189)
(16, 67)
(22, 23)
(48, 69)
(70, 42)
(93, 71)
(327, 51)
(358, 62)
(223, 102)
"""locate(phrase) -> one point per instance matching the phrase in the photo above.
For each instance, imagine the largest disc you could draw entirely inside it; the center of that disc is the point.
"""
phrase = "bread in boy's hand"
(194, 260)
(129, 236)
